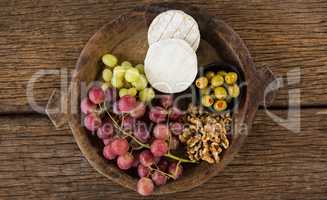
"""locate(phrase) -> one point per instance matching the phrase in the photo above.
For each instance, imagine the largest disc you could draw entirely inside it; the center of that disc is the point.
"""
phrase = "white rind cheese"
(170, 65)
(174, 24)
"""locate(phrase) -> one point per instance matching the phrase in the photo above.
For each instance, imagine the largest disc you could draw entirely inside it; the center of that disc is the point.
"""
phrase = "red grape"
(166, 101)
(125, 161)
(146, 158)
(92, 122)
(87, 106)
(163, 165)
(175, 170)
(138, 111)
(173, 143)
(143, 171)
(158, 178)
(145, 186)
(128, 123)
(105, 131)
(119, 146)
(141, 132)
(96, 95)
(157, 114)
(126, 103)
(175, 113)
(159, 148)
(161, 131)
(176, 128)
(108, 153)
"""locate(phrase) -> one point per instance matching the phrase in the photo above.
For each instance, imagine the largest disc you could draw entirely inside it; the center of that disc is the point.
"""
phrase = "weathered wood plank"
(37, 35)
(38, 162)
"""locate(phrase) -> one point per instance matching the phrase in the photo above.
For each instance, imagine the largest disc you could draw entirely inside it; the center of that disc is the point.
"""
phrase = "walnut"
(205, 135)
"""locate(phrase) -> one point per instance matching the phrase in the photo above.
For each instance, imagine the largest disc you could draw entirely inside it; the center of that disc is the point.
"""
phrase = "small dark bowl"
(234, 103)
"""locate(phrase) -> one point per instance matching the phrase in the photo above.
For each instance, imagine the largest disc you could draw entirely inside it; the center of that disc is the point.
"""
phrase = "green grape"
(117, 82)
(132, 75)
(140, 67)
(217, 81)
(146, 95)
(123, 92)
(141, 83)
(231, 78)
(127, 64)
(220, 93)
(109, 60)
(126, 67)
(105, 86)
(119, 72)
(132, 92)
(107, 75)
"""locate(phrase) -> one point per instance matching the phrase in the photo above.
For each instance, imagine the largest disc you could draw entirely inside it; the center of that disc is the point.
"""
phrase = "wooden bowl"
(126, 37)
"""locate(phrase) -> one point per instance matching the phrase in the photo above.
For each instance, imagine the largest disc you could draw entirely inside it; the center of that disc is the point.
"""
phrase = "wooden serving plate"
(126, 37)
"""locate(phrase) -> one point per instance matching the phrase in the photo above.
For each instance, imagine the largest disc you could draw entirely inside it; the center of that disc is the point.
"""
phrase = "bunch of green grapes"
(217, 89)
(127, 79)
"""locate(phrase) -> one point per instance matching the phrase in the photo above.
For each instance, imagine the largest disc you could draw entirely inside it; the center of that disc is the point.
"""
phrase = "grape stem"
(163, 173)
(168, 155)
(124, 132)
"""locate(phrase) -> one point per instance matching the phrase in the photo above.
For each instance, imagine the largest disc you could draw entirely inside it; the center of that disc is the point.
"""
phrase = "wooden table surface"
(39, 162)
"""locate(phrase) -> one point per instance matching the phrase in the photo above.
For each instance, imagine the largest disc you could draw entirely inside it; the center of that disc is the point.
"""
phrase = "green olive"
(234, 91)
(222, 73)
(207, 100)
(220, 93)
(201, 82)
(217, 80)
(231, 78)
(205, 91)
(210, 74)
(220, 105)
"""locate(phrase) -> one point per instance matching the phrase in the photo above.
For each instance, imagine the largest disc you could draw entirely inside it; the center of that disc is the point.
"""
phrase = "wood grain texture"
(38, 162)
(44, 34)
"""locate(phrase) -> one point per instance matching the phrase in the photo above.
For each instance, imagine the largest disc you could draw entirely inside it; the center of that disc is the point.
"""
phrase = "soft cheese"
(174, 24)
(171, 65)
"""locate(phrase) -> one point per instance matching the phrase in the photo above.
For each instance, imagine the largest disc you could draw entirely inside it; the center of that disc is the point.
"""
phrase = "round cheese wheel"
(170, 65)
(174, 24)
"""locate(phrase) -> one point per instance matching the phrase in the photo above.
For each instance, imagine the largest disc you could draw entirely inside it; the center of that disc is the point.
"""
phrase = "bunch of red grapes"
(150, 161)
